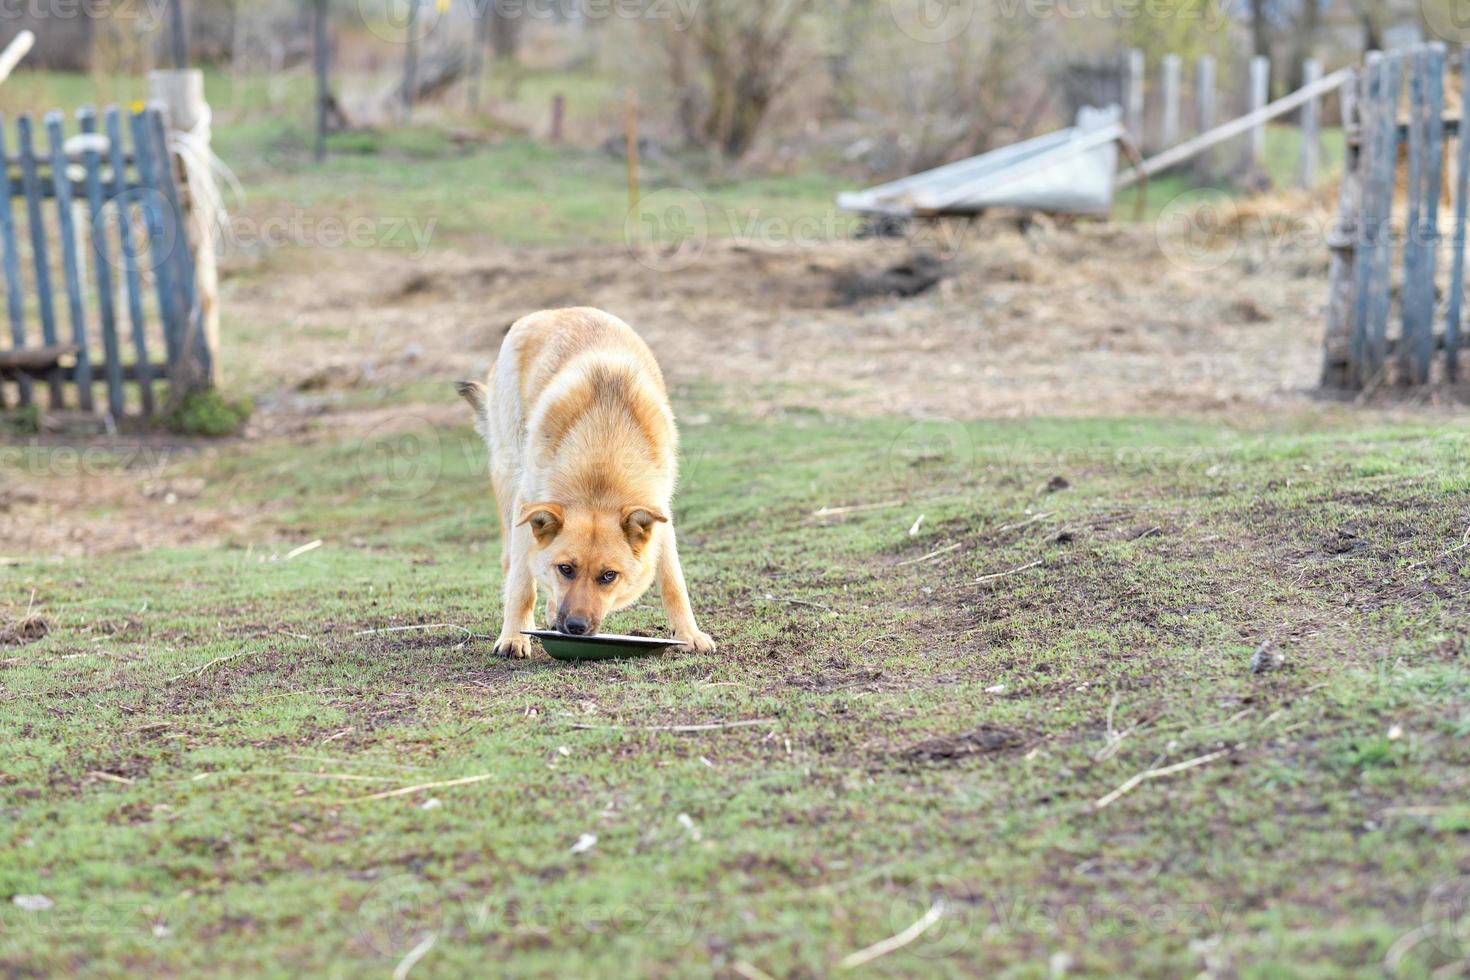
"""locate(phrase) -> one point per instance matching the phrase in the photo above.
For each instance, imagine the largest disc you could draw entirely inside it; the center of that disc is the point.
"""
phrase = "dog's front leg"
(520, 606)
(676, 597)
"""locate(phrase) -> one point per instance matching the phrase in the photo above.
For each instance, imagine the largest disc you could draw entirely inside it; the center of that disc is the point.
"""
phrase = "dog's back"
(582, 401)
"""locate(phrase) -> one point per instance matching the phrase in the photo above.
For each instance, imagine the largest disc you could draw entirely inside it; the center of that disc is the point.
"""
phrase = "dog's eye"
(608, 577)
(567, 571)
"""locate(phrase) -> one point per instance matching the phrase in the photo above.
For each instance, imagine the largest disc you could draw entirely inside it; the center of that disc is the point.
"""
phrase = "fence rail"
(98, 270)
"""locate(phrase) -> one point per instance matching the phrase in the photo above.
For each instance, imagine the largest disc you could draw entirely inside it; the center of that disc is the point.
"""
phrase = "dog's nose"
(575, 626)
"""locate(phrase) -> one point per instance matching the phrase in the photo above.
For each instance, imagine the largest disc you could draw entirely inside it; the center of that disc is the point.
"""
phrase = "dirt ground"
(1093, 319)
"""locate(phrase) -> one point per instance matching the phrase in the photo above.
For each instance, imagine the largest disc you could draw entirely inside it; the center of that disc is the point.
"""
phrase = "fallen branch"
(711, 727)
(1010, 571)
(213, 663)
(799, 602)
(1026, 523)
(414, 955)
(893, 943)
(856, 508)
(1134, 781)
(430, 626)
(931, 555)
(410, 790)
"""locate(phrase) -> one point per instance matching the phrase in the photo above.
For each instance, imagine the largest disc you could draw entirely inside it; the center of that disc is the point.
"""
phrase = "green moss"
(209, 413)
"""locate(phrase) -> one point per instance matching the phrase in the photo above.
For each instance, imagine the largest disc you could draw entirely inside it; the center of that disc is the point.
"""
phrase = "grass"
(189, 751)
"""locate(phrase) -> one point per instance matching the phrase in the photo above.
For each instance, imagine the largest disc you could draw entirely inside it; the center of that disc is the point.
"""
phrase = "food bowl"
(604, 646)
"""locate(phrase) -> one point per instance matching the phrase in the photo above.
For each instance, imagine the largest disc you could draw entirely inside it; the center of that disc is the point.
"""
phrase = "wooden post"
(1457, 266)
(630, 137)
(1260, 94)
(1311, 125)
(410, 59)
(558, 116)
(1342, 247)
(179, 38)
(1133, 82)
(1380, 189)
(477, 53)
(1426, 154)
(1204, 102)
(321, 57)
(1169, 131)
(181, 95)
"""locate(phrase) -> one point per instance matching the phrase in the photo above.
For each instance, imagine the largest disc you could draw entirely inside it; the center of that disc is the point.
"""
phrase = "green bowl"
(564, 646)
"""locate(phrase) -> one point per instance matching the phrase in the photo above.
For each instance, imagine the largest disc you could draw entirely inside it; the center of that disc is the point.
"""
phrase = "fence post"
(1260, 93)
(1204, 102)
(1133, 81)
(1311, 124)
(181, 94)
(1342, 244)
(1170, 128)
(1457, 266)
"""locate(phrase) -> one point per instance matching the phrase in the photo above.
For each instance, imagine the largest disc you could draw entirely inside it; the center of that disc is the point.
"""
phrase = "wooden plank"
(102, 262)
(70, 267)
(1204, 105)
(36, 359)
(1133, 73)
(1311, 126)
(1422, 354)
(195, 352)
(1457, 269)
(1369, 109)
(131, 372)
(1169, 123)
(1260, 93)
(1343, 244)
(1235, 127)
(164, 233)
(14, 299)
(31, 181)
(122, 203)
(1384, 165)
(1411, 296)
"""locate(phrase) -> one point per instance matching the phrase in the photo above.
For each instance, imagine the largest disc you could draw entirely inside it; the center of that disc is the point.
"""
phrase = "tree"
(730, 65)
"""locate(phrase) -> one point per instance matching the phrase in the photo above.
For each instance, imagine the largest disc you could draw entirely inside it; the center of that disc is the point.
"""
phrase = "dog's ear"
(479, 398)
(545, 520)
(638, 523)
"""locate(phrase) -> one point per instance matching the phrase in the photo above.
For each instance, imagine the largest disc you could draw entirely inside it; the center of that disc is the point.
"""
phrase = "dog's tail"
(479, 398)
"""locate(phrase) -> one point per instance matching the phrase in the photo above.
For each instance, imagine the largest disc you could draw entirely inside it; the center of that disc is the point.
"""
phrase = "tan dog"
(583, 460)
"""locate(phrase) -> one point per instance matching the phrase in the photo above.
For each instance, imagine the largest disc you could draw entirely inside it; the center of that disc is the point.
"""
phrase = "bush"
(209, 413)
(22, 421)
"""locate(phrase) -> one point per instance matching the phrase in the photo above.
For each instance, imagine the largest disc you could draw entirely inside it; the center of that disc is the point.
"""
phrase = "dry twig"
(892, 943)
(1134, 781)
(1010, 571)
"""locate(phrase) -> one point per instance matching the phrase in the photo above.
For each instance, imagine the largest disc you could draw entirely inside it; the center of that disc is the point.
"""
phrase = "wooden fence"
(106, 224)
(1388, 242)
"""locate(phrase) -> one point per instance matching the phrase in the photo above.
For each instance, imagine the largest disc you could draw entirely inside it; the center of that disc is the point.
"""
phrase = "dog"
(583, 461)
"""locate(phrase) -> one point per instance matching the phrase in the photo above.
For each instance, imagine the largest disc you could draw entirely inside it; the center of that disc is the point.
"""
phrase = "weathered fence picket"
(1360, 353)
(98, 181)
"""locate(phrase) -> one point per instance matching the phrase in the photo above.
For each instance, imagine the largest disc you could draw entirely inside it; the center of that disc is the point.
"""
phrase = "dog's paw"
(513, 646)
(697, 640)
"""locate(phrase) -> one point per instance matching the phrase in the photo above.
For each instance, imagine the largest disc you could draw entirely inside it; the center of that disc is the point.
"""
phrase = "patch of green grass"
(190, 751)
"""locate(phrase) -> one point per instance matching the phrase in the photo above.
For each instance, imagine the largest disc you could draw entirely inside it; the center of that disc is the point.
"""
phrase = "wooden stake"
(323, 87)
(630, 137)
(1311, 122)
(558, 116)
